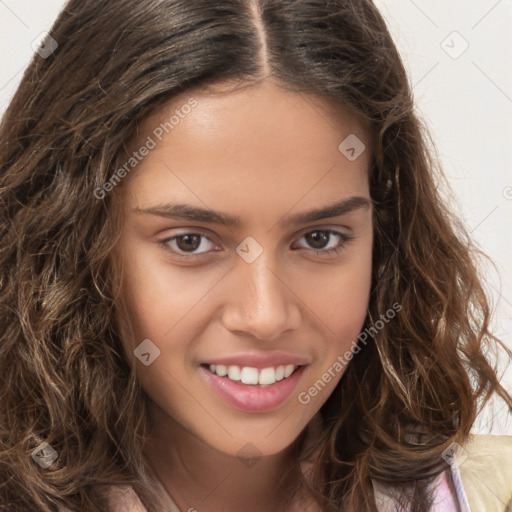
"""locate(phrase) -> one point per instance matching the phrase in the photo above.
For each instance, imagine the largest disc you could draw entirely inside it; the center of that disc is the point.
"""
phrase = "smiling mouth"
(251, 376)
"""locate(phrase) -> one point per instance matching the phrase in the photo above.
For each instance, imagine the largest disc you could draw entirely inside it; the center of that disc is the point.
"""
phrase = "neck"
(196, 476)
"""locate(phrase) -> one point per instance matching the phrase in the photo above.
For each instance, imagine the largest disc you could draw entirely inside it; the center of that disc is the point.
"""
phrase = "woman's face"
(247, 245)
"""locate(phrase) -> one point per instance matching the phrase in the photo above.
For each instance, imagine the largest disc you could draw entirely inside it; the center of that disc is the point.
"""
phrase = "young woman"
(227, 281)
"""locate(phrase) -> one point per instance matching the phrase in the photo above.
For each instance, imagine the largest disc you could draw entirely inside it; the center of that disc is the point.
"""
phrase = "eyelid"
(322, 227)
(164, 243)
(345, 238)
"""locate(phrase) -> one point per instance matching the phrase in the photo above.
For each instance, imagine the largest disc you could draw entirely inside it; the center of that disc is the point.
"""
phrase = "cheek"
(345, 303)
(157, 303)
(339, 301)
(339, 298)
(158, 296)
(342, 308)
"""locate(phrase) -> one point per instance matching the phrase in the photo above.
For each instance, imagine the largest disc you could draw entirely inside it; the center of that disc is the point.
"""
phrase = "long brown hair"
(412, 390)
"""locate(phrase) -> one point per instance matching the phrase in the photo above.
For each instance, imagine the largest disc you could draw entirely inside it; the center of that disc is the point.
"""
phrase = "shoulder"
(124, 499)
(480, 446)
(121, 498)
(481, 478)
(485, 468)
(444, 496)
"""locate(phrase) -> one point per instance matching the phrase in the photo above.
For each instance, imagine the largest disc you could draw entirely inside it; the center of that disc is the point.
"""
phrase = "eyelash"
(343, 240)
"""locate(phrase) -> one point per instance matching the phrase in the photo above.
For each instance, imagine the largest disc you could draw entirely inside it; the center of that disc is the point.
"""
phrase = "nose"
(260, 302)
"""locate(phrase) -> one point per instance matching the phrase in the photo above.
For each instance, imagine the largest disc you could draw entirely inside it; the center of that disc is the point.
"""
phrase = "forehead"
(258, 140)
(222, 111)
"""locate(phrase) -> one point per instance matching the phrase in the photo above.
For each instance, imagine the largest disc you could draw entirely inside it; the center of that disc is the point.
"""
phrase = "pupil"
(323, 238)
(188, 239)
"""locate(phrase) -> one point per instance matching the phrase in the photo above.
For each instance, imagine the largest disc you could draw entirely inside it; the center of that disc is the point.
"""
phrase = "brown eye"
(317, 239)
(326, 241)
(187, 244)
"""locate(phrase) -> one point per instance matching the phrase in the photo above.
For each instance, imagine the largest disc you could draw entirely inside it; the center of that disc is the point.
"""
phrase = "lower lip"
(252, 398)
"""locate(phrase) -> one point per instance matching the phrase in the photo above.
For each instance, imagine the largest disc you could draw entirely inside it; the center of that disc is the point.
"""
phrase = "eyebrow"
(190, 212)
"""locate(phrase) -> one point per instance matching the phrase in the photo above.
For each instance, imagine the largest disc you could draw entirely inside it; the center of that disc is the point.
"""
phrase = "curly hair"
(415, 389)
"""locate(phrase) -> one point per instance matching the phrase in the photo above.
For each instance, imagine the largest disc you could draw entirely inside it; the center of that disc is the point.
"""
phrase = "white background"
(464, 97)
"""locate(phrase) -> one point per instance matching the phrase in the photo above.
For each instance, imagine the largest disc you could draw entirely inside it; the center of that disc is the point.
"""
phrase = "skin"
(264, 154)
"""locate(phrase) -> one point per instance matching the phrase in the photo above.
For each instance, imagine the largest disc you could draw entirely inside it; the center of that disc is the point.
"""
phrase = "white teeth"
(267, 376)
(233, 372)
(221, 370)
(249, 375)
(288, 370)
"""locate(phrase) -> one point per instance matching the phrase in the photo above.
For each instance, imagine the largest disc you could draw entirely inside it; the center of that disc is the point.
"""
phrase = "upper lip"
(259, 360)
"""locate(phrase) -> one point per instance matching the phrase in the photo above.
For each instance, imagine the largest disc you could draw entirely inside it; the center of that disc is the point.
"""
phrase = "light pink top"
(449, 497)
(449, 494)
